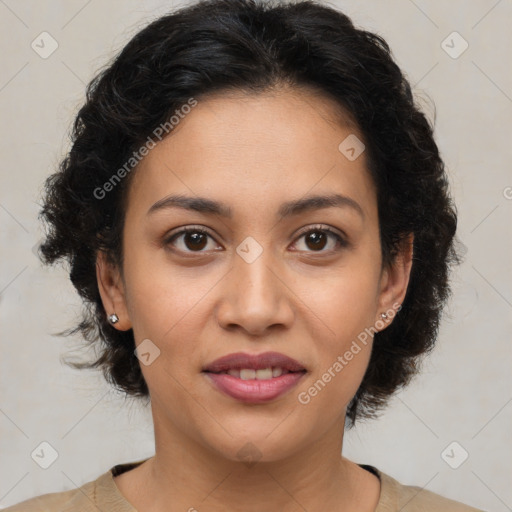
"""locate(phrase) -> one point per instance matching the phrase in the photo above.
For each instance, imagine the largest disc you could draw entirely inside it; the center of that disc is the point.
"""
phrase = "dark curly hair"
(217, 46)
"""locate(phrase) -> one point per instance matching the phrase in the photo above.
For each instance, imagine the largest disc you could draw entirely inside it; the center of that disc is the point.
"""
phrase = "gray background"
(464, 393)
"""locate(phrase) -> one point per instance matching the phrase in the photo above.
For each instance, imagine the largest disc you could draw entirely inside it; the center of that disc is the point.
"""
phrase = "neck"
(184, 475)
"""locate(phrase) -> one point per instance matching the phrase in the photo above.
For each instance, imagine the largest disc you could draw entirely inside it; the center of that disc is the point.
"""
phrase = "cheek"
(345, 303)
(345, 299)
(169, 306)
(162, 298)
(323, 400)
(337, 378)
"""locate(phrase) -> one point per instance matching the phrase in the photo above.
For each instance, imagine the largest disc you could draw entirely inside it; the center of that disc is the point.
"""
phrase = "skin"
(304, 300)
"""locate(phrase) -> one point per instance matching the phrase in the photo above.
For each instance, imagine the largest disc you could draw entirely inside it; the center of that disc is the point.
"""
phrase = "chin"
(255, 443)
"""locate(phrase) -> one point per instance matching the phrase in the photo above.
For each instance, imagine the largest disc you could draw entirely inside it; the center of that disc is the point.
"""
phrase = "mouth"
(254, 378)
(264, 363)
(260, 374)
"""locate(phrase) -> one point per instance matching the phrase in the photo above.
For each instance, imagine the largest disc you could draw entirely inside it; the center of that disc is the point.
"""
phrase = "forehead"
(261, 147)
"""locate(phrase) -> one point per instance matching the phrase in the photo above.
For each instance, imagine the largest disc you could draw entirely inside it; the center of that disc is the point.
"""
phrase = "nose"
(255, 297)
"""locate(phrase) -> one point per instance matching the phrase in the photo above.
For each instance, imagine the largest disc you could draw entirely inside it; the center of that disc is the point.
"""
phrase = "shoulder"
(81, 497)
(101, 494)
(98, 494)
(408, 498)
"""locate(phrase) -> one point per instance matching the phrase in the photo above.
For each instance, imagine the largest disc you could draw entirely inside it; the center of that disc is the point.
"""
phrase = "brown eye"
(318, 238)
(190, 240)
(195, 241)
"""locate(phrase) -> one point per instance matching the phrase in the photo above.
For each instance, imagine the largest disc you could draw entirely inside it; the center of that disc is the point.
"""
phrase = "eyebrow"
(287, 209)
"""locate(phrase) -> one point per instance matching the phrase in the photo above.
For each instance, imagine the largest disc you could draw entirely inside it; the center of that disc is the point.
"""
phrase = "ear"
(394, 282)
(112, 291)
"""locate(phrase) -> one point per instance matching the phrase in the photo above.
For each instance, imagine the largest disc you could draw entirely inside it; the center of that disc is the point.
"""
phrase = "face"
(258, 275)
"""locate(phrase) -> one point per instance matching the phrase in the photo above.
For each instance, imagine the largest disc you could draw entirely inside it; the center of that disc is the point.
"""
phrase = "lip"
(240, 360)
(254, 391)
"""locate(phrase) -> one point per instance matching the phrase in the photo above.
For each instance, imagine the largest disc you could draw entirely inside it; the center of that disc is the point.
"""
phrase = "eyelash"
(342, 243)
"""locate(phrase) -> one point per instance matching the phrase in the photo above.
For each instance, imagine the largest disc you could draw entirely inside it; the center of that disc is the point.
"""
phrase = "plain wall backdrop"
(464, 394)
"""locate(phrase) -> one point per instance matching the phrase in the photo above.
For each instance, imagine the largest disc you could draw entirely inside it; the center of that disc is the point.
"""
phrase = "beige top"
(103, 494)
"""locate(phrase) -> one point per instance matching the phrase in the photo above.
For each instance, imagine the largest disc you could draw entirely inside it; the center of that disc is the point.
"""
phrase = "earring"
(113, 319)
(384, 316)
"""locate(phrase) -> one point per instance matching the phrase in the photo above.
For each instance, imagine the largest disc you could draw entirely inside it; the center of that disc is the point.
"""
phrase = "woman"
(257, 217)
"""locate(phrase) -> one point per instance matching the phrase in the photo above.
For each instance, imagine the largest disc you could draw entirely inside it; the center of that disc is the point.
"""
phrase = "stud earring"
(384, 316)
(113, 319)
